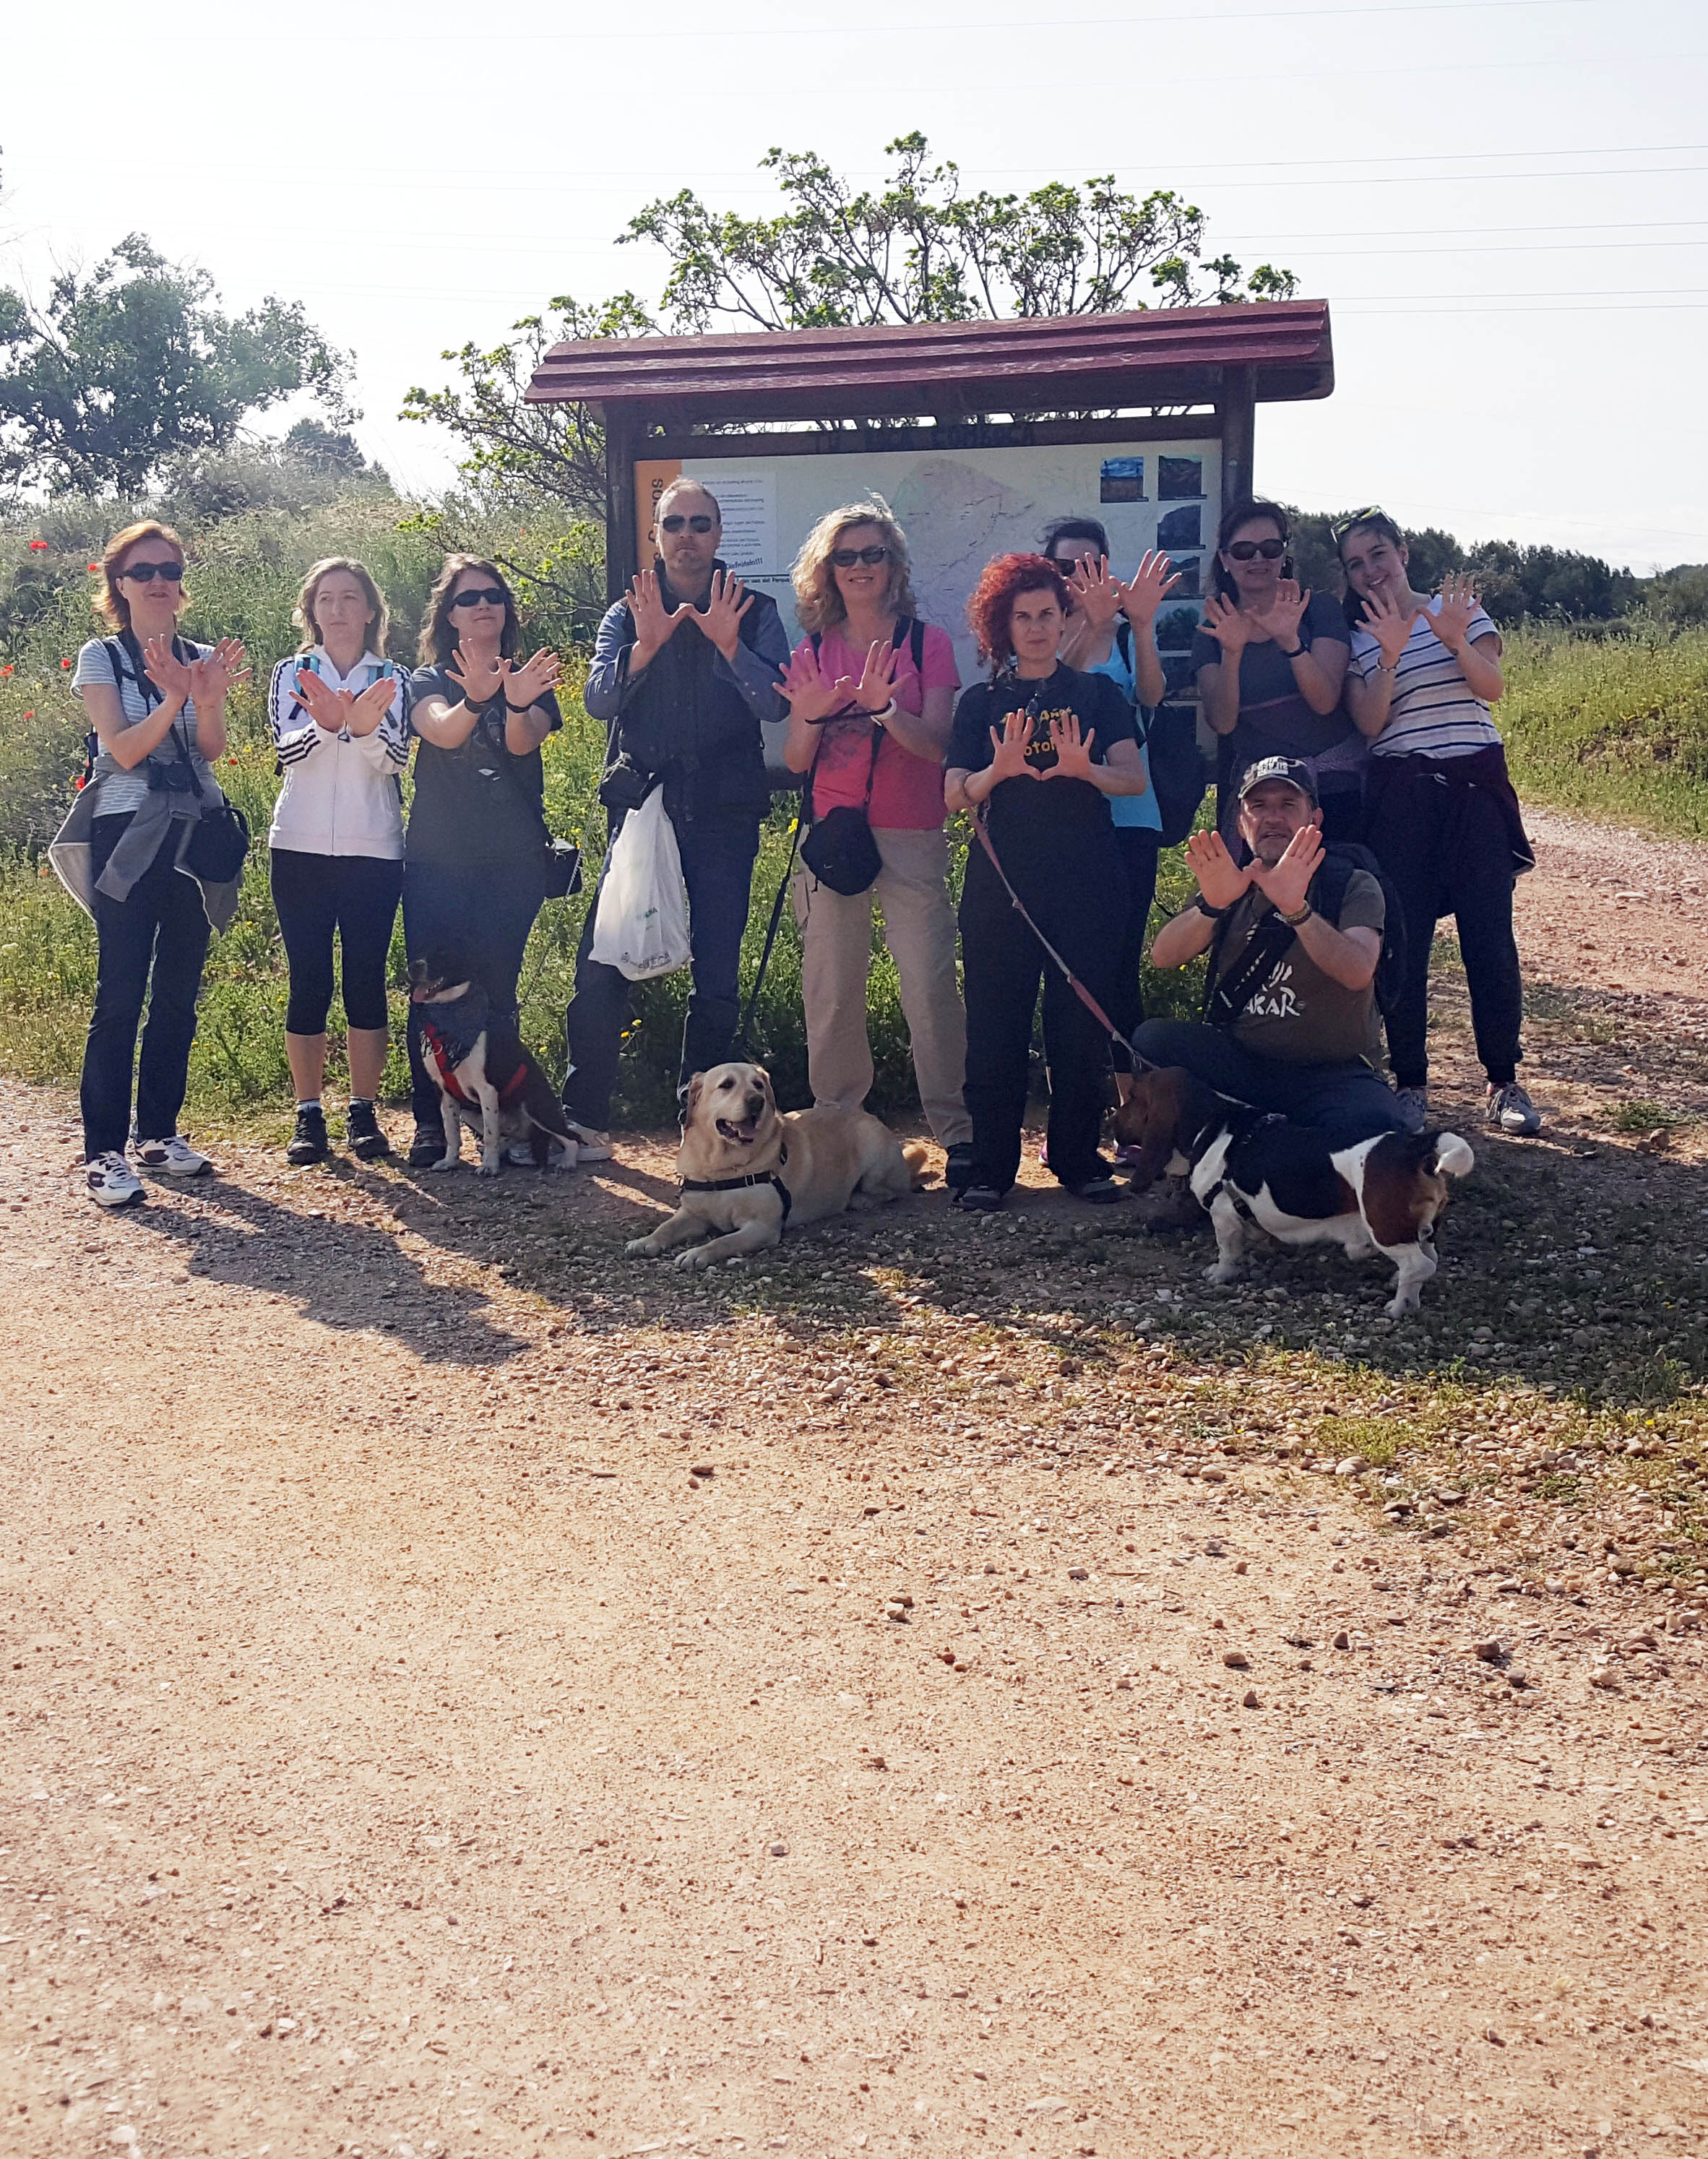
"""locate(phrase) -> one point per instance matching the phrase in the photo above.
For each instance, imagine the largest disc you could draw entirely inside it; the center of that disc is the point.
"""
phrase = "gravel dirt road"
(467, 1693)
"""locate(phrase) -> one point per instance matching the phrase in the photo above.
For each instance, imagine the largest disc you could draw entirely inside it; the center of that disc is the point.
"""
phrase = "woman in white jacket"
(340, 722)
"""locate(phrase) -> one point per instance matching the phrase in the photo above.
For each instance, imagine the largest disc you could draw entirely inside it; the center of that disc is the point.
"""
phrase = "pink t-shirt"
(907, 791)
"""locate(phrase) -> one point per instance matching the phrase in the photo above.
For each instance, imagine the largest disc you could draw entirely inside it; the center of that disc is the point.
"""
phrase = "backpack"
(1225, 996)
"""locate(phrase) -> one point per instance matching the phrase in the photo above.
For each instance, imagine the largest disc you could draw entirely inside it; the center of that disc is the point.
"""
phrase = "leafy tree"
(1681, 595)
(135, 364)
(1516, 580)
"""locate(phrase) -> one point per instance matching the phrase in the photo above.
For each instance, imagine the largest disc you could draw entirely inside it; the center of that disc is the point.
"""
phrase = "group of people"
(1343, 725)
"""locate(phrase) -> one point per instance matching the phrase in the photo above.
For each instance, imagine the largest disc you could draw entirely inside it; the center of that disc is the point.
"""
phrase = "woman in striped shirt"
(340, 724)
(1443, 819)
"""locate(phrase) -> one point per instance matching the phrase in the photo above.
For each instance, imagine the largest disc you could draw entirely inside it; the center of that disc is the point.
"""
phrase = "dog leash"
(738, 1049)
(1073, 981)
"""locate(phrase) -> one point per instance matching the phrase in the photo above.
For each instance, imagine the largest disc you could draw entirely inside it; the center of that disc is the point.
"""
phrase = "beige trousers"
(919, 928)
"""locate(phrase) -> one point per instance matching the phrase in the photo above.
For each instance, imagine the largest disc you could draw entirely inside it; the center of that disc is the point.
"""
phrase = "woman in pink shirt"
(871, 690)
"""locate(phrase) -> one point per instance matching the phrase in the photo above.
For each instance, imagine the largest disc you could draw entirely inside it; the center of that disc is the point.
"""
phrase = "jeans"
(718, 852)
(356, 895)
(1003, 964)
(1447, 847)
(159, 930)
(486, 909)
(1138, 846)
(1347, 1102)
(835, 962)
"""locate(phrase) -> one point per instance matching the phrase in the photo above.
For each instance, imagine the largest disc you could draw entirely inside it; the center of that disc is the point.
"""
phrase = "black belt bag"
(839, 850)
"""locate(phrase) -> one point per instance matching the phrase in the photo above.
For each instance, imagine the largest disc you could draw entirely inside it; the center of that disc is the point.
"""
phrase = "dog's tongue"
(747, 1128)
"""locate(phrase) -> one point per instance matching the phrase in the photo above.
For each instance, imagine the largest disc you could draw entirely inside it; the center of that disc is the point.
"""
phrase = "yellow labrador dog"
(746, 1169)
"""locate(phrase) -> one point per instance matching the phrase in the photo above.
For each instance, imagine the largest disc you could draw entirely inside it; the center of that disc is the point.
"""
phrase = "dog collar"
(745, 1183)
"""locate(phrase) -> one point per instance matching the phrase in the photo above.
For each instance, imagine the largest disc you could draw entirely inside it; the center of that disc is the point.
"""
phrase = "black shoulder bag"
(561, 858)
(217, 845)
(839, 850)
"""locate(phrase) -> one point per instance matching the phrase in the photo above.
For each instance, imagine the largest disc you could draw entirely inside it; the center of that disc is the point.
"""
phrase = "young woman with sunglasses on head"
(1444, 820)
(1036, 753)
(474, 855)
(1271, 662)
(157, 703)
(340, 724)
(1112, 630)
(870, 720)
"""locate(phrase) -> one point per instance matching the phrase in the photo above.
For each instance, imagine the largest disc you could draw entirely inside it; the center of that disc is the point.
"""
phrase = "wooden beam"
(622, 539)
(864, 442)
(1239, 412)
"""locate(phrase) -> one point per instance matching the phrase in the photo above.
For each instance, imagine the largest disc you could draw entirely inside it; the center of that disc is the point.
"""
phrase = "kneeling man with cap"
(1290, 1020)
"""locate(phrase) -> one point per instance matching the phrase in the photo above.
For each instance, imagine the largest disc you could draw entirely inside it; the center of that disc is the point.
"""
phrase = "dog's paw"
(488, 1168)
(1398, 1307)
(1223, 1272)
(448, 1161)
(692, 1260)
(640, 1248)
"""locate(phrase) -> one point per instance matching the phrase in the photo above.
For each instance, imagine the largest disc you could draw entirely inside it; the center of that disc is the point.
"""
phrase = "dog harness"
(451, 1031)
(743, 1184)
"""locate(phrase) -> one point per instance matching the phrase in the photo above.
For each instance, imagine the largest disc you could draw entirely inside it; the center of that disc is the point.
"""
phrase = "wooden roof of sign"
(1151, 356)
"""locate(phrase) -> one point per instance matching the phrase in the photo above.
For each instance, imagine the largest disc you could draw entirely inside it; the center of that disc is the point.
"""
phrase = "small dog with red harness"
(1257, 1175)
(485, 1077)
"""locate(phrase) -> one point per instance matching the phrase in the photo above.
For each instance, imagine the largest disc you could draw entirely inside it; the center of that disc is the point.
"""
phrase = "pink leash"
(1074, 982)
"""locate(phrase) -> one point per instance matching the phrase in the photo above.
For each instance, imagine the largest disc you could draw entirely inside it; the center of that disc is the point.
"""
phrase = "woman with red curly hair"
(1036, 753)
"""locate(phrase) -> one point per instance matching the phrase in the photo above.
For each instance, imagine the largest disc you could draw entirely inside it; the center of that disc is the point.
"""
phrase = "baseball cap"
(1287, 769)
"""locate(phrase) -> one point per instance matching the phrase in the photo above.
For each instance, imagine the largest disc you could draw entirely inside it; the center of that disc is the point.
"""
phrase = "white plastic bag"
(641, 928)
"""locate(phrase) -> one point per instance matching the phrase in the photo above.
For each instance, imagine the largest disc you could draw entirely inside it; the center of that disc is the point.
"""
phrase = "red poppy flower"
(65, 666)
(230, 760)
(94, 565)
(5, 670)
(37, 546)
(29, 716)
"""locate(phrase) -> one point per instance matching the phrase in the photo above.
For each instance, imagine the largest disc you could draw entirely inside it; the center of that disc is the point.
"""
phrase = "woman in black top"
(473, 856)
(1035, 753)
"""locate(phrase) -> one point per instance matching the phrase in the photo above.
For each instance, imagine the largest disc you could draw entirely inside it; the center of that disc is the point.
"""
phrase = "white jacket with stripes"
(343, 793)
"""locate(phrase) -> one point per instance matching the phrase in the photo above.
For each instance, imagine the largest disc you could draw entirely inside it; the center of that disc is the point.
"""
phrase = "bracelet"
(510, 707)
(1215, 913)
(1296, 921)
(1294, 654)
(888, 712)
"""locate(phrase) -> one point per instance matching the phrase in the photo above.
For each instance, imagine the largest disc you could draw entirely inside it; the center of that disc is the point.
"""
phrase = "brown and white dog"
(746, 1169)
(485, 1077)
(1256, 1174)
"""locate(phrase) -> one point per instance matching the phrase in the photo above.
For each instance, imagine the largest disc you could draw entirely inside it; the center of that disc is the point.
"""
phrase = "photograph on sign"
(1122, 479)
(1180, 479)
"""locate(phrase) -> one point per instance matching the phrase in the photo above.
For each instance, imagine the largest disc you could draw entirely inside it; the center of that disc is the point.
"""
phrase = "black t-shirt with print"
(477, 803)
(1048, 825)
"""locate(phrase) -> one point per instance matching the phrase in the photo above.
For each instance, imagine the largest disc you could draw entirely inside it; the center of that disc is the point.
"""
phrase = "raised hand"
(1010, 746)
(1281, 618)
(1390, 624)
(811, 694)
(479, 680)
(169, 675)
(1285, 885)
(1152, 584)
(376, 702)
(1222, 620)
(729, 602)
(1219, 879)
(1452, 620)
(878, 679)
(213, 680)
(329, 708)
(652, 621)
(525, 684)
(1097, 593)
(1073, 751)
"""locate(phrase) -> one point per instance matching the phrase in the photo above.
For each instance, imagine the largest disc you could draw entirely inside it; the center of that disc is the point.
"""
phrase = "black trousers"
(356, 896)
(485, 909)
(1002, 967)
(152, 944)
(1137, 848)
(1447, 845)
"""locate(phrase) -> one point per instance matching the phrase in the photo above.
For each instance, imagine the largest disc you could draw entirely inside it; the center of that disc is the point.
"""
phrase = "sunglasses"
(1341, 525)
(145, 573)
(482, 595)
(1245, 551)
(675, 522)
(845, 558)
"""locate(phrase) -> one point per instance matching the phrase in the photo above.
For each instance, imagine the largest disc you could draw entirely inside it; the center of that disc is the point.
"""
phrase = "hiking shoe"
(979, 1198)
(589, 1144)
(428, 1146)
(958, 1165)
(1099, 1191)
(308, 1141)
(1510, 1109)
(111, 1182)
(366, 1136)
(1412, 1104)
(172, 1158)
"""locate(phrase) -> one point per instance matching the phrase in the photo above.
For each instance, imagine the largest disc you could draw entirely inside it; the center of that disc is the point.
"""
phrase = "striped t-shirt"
(1432, 712)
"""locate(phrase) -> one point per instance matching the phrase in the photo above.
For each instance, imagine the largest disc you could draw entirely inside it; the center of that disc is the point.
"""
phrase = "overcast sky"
(1504, 200)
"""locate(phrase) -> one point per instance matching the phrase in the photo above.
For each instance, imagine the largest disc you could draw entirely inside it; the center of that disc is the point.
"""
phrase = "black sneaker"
(979, 1198)
(309, 1143)
(1099, 1192)
(958, 1166)
(368, 1142)
(428, 1146)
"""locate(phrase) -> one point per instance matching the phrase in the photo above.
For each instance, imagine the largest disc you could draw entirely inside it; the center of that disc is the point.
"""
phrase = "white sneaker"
(589, 1144)
(111, 1182)
(172, 1158)
(1509, 1108)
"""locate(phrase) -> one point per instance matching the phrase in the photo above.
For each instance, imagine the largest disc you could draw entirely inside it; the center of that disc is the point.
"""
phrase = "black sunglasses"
(145, 573)
(493, 596)
(675, 522)
(845, 558)
(1243, 551)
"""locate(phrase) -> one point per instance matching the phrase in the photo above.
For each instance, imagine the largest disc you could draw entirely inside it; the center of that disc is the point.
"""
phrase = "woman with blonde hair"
(156, 705)
(474, 856)
(340, 724)
(871, 690)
